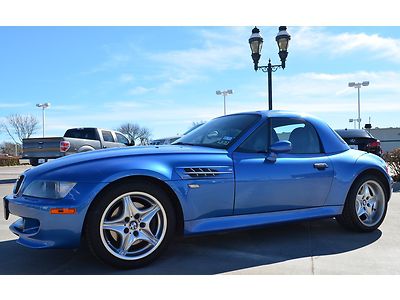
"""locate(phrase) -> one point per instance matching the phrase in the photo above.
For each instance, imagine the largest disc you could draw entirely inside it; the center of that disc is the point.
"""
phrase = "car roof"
(331, 141)
(353, 133)
(276, 113)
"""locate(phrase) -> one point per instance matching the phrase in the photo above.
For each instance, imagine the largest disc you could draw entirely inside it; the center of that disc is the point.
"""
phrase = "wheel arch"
(379, 174)
(85, 148)
(141, 178)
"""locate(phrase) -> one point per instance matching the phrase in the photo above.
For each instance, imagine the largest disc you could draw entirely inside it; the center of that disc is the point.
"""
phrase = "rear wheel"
(34, 162)
(366, 205)
(130, 225)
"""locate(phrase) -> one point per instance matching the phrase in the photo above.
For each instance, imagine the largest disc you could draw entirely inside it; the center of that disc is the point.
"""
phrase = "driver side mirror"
(278, 147)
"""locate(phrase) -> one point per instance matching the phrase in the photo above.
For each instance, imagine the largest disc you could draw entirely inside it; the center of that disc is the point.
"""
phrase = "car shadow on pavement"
(207, 254)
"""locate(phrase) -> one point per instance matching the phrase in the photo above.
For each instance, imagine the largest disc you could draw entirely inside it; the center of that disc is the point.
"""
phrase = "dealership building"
(389, 137)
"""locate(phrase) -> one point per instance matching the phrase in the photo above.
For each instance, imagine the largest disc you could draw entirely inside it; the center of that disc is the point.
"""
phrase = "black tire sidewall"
(34, 162)
(92, 230)
(350, 215)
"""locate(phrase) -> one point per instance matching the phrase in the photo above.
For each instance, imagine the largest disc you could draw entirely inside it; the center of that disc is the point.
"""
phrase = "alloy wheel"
(133, 225)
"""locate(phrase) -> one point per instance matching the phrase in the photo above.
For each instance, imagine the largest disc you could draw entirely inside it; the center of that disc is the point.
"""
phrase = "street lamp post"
(43, 106)
(224, 93)
(256, 42)
(358, 86)
(353, 121)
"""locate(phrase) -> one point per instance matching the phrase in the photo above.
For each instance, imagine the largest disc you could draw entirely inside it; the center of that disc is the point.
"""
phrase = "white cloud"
(14, 105)
(325, 93)
(113, 61)
(220, 50)
(69, 107)
(315, 39)
(139, 90)
(126, 78)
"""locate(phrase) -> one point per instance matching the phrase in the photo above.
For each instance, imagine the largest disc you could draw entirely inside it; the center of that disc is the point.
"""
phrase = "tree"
(135, 132)
(145, 135)
(10, 148)
(20, 127)
(197, 124)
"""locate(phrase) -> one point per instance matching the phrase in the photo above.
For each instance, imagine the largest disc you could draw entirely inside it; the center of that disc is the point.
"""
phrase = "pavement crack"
(311, 248)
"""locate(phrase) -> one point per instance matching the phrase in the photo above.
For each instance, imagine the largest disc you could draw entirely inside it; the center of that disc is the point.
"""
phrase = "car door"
(108, 139)
(122, 140)
(298, 179)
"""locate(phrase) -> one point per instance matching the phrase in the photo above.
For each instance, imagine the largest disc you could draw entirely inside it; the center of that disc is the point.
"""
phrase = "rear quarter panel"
(81, 145)
(348, 165)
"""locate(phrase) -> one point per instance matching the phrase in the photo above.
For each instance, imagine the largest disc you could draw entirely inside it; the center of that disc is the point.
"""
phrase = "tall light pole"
(358, 85)
(353, 121)
(224, 93)
(43, 106)
(256, 42)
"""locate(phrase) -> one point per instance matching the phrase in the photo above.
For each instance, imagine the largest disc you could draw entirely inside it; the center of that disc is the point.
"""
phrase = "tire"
(366, 205)
(34, 162)
(130, 225)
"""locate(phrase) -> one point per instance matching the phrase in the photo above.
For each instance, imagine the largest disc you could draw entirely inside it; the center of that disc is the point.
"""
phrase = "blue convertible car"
(236, 171)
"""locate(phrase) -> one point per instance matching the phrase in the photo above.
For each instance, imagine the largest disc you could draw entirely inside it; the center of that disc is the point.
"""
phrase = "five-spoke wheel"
(370, 203)
(366, 205)
(133, 225)
(129, 225)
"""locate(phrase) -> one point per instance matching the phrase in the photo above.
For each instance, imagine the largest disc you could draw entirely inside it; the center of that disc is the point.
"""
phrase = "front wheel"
(130, 225)
(366, 205)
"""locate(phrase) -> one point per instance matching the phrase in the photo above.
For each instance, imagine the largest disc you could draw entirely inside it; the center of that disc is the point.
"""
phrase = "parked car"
(170, 140)
(164, 141)
(234, 172)
(75, 140)
(361, 139)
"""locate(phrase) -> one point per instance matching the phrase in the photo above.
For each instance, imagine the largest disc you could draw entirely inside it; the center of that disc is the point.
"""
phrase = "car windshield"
(220, 132)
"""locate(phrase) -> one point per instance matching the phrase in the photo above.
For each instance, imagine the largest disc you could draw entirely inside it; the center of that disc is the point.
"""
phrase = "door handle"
(320, 166)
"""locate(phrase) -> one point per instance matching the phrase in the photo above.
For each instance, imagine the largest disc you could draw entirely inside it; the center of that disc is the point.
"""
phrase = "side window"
(300, 133)
(122, 139)
(107, 136)
(257, 142)
(82, 133)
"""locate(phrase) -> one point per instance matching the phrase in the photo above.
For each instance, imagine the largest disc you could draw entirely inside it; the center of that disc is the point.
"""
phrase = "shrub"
(392, 158)
(9, 161)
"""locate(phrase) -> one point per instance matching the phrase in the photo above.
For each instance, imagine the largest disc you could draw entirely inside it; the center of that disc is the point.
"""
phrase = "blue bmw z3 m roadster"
(237, 171)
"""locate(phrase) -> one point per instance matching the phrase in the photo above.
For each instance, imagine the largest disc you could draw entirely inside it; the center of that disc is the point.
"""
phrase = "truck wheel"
(34, 162)
(130, 225)
(366, 205)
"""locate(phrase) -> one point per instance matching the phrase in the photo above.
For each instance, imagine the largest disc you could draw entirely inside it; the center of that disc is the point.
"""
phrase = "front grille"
(203, 172)
(18, 184)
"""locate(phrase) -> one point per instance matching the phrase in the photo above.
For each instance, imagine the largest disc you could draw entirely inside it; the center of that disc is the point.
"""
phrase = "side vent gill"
(203, 172)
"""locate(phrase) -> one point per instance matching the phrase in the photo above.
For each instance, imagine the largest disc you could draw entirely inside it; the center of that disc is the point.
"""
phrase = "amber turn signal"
(63, 211)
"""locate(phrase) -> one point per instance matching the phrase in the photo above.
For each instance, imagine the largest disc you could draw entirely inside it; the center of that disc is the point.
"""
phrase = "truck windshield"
(220, 132)
(82, 133)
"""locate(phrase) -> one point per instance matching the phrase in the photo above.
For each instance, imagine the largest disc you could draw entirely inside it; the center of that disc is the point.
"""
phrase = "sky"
(165, 78)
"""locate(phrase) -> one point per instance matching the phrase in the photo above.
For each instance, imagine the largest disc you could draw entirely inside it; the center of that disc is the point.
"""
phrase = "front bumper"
(38, 228)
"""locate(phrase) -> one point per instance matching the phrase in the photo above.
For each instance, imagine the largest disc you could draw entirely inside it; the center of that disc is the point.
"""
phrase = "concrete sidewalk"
(10, 174)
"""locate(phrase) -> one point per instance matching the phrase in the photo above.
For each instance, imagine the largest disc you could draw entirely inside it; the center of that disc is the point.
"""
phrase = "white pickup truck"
(75, 140)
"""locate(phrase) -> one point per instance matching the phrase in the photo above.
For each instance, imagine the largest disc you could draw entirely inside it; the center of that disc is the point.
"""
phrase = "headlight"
(49, 189)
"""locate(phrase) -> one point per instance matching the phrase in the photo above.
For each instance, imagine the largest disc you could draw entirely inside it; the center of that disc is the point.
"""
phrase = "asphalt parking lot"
(315, 247)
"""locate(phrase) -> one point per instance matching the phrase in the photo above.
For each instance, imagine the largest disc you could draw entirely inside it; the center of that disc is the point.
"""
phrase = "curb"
(4, 181)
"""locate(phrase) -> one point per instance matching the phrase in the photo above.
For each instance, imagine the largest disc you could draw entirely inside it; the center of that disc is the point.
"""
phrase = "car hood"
(123, 152)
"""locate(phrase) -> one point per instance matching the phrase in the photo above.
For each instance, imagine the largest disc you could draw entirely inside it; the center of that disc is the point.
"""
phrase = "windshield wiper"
(184, 144)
